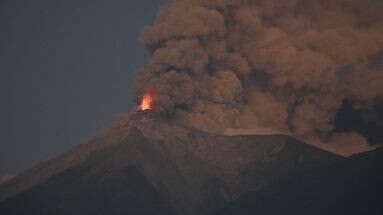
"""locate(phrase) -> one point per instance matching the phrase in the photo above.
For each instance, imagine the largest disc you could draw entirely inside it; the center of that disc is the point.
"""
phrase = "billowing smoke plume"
(283, 65)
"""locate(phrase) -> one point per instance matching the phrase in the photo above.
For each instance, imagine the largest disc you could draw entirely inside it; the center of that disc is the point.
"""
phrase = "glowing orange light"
(146, 103)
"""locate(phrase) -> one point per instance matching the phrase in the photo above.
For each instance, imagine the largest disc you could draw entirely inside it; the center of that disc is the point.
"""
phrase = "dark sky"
(67, 69)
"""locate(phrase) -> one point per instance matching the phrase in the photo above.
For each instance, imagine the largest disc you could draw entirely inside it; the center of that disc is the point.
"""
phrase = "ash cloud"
(284, 65)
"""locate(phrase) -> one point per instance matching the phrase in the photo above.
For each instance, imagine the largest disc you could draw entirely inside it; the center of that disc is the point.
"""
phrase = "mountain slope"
(97, 186)
(355, 186)
(180, 170)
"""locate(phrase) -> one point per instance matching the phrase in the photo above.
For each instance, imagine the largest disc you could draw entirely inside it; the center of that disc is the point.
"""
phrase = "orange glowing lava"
(146, 103)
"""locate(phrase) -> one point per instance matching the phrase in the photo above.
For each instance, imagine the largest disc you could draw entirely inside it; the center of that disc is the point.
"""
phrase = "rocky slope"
(355, 186)
(148, 165)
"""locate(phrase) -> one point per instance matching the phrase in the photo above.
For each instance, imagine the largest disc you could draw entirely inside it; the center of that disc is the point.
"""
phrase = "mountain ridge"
(187, 170)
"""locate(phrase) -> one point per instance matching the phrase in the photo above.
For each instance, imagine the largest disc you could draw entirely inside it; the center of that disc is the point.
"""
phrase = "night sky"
(67, 69)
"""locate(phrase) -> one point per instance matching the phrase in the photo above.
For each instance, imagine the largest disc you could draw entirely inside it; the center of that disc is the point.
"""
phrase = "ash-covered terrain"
(147, 164)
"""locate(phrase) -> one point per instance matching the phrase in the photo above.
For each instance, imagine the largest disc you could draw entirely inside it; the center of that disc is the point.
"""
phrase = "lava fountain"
(146, 102)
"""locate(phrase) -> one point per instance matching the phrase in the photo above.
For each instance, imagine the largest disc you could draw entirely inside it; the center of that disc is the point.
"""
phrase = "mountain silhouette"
(148, 164)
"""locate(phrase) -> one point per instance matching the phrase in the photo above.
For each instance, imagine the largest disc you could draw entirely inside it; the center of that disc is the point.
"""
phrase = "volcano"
(148, 164)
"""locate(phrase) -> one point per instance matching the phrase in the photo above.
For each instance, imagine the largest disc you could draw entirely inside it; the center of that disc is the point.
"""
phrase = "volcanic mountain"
(147, 164)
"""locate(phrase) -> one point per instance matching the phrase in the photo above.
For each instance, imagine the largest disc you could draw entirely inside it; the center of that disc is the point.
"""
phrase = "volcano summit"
(147, 164)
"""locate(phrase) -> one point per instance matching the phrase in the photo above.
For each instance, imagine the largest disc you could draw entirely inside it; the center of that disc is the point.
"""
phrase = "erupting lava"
(146, 103)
